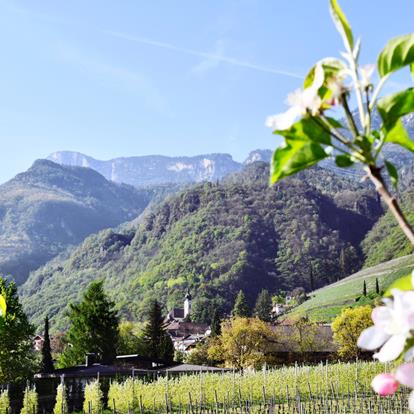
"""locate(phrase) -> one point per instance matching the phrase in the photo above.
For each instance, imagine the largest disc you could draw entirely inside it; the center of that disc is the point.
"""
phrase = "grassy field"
(326, 303)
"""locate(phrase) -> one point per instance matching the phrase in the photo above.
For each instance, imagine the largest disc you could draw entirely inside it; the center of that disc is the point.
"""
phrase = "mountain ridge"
(214, 239)
(50, 207)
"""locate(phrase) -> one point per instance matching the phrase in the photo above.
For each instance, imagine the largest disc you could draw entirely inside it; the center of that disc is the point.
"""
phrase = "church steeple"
(187, 304)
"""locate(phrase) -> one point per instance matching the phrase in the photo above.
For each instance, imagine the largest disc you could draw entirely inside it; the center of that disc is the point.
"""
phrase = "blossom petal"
(405, 375)
(391, 349)
(284, 120)
(382, 316)
(372, 338)
(319, 77)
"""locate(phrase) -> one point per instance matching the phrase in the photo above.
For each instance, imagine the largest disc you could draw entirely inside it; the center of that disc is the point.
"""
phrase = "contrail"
(220, 58)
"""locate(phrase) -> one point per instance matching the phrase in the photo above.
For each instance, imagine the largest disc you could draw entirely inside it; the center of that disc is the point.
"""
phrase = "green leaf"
(294, 156)
(397, 53)
(392, 172)
(307, 129)
(393, 107)
(343, 161)
(398, 135)
(342, 25)
(404, 283)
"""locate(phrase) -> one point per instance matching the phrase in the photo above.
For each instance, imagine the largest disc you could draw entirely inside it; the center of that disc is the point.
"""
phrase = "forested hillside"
(49, 207)
(215, 239)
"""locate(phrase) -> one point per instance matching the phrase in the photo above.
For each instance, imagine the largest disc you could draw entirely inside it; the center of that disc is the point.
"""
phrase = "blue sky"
(173, 77)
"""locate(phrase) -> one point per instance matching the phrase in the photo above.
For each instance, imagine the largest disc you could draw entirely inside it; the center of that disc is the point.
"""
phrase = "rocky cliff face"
(154, 169)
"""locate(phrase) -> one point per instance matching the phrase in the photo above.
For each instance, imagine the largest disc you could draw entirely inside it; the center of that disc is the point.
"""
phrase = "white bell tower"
(187, 304)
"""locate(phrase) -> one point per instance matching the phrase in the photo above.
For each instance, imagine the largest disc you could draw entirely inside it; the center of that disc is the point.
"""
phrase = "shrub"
(4, 402)
(92, 402)
(29, 401)
(61, 405)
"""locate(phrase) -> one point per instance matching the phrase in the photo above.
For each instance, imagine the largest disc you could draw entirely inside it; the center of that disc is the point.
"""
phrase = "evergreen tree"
(263, 308)
(241, 308)
(311, 278)
(17, 359)
(93, 329)
(377, 288)
(158, 344)
(364, 289)
(215, 323)
(46, 365)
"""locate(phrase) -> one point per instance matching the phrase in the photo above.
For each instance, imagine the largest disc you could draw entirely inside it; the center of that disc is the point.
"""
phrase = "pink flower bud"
(384, 384)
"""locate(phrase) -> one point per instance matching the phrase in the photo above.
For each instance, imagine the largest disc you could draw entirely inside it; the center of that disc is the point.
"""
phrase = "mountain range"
(214, 239)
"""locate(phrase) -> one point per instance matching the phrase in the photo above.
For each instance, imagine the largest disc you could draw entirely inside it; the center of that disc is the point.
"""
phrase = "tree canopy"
(93, 328)
(17, 360)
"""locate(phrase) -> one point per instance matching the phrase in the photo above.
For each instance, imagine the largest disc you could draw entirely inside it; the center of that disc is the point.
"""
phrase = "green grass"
(326, 303)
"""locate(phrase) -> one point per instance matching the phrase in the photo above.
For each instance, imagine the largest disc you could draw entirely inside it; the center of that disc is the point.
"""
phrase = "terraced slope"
(327, 302)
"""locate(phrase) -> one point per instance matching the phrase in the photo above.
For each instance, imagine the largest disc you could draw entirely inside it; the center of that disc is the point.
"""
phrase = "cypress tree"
(364, 289)
(215, 323)
(263, 308)
(46, 365)
(93, 329)
(157, 342)
(377, 288)
(241, 308)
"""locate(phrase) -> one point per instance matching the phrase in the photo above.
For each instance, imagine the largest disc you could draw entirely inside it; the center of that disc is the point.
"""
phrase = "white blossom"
(301, 102)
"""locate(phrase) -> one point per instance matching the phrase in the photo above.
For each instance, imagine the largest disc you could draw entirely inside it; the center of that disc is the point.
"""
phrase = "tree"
(158, 344)
(93, 329)
(347, 327)
(377, 288)
(305, 334)
(215, 323)
(364, 289)
(263, 308)
(130, 338)
(17, 359)
(243, 343)
(241, 308)
(46, 365)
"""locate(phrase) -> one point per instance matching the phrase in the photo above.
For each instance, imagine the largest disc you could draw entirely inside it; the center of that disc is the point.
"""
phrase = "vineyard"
(326, 388)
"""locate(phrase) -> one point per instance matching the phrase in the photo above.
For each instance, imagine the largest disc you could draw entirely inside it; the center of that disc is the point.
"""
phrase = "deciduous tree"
(346, 330)
(243, 343)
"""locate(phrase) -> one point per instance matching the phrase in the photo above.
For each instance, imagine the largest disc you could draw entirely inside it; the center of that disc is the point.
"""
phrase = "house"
(185, 334)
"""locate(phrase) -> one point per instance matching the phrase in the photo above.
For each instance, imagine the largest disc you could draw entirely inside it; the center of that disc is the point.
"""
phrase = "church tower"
(187, 304)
